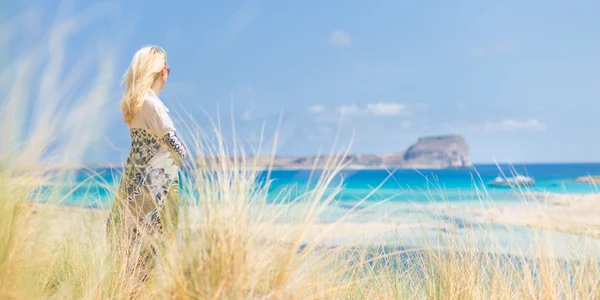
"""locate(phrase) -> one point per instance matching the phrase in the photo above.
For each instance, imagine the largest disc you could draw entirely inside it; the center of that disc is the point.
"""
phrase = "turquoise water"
(95, 187)
(417, 203)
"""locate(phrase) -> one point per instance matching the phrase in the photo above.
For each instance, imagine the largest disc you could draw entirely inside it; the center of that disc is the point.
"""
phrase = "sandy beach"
(573, 213)
(562, 216)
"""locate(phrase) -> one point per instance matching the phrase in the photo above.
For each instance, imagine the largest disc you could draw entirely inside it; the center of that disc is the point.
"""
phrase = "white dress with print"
(149, 189)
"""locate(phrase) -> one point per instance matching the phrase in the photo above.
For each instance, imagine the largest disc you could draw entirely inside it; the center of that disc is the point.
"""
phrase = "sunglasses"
(168, 71)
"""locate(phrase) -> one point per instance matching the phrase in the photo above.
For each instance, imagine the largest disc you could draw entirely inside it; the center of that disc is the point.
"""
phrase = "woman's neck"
(155, 89)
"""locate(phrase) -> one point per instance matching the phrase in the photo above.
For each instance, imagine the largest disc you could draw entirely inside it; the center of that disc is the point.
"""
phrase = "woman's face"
(164, 76)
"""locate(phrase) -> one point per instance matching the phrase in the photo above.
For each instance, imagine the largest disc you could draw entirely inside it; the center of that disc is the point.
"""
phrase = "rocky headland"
(435, 152)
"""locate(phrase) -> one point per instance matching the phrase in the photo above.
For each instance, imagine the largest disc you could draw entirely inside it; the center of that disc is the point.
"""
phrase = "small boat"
(516, 181)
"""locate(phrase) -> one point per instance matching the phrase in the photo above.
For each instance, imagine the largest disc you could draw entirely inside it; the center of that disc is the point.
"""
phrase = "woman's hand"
(176, 144)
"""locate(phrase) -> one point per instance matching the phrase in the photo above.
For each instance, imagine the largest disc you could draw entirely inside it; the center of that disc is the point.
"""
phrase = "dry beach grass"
(231, 243)
(239, 252)
(227, 258)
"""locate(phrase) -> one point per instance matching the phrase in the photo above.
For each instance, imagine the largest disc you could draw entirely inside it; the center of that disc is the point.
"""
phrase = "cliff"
(438, 152)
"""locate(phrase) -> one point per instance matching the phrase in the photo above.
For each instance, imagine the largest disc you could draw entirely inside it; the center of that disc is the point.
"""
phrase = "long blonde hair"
(146, 65)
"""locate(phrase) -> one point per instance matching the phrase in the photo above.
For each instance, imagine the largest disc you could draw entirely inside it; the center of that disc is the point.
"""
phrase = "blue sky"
(520, 80)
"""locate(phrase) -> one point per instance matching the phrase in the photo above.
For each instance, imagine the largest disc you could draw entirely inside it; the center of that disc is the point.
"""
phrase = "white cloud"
(316, 109)
(350, 109)
(377, 109)
(507, 125)
(387, 108)
(515, 125)
(340, 38)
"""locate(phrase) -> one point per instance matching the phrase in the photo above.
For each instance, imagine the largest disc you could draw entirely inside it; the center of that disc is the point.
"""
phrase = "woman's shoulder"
(153, 102)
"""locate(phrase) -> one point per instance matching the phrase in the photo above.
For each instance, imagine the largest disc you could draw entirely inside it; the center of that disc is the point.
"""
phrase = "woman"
(147, 200)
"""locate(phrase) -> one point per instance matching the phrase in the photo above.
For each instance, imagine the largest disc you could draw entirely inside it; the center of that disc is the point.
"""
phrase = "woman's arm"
(161, 122)
(177, 145)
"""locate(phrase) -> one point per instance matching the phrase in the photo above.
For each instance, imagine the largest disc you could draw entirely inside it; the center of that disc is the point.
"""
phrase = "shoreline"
(564, 216)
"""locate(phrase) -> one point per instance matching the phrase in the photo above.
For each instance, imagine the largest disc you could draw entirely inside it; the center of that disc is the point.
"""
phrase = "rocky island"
(436, 152)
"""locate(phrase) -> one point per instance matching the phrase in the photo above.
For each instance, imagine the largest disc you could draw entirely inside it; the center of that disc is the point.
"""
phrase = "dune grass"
(234, 244)
(231, 243)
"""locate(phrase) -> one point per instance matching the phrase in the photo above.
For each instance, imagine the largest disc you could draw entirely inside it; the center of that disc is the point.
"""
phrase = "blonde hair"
(146, 65)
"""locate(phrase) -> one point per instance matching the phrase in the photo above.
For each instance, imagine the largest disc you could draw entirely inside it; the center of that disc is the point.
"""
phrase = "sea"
(403, 196)
(95, 186)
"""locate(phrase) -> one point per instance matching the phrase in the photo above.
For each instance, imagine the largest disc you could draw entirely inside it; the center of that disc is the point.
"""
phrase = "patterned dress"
(147, 200)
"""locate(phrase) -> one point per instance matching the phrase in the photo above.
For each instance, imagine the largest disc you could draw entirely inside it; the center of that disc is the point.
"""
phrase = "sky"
(520, 80)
